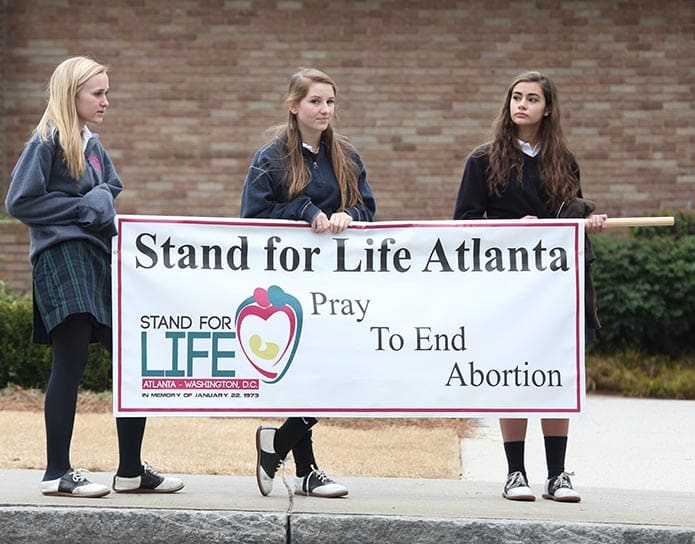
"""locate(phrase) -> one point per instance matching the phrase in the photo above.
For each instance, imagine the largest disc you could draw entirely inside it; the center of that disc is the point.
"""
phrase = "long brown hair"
(340, 150)
(557, 175)
(61, 111)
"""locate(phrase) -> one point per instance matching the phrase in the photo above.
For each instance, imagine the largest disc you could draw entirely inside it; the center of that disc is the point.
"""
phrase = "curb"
(50, 525)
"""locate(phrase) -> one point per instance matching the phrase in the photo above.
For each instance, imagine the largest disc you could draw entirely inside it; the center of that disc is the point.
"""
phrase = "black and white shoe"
(148, 482)
(73, 483)
(560, 489)
(267, 460)
(516, 488)
(317, 484)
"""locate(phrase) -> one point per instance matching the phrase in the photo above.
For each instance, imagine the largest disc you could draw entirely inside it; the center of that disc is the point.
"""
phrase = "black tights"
(70, 343)
(295, 435)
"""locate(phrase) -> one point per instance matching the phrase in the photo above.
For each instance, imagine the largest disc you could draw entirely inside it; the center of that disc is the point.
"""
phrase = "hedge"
(645, 288)
(27, 364)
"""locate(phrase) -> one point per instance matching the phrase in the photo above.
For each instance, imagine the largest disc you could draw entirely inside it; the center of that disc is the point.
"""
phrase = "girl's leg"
(273, 445)
(131, 431)
(132, 476)
(558, 486)
(293, 434)
(70, 343)
(303, 453)
(310, 480)
(555, 432)
(514, 437)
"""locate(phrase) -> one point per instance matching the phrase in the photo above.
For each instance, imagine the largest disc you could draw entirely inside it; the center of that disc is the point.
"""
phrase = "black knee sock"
(303, 453)
(290, 433)
(70, 343)
(131, 431)
(515, 456)
(555, 449)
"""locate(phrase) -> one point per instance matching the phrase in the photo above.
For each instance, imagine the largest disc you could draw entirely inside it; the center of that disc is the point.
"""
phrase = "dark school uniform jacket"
(475, 201)
(265, 188)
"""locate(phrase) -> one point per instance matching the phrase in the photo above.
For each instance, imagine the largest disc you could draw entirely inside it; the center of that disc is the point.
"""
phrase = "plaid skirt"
(72, 277)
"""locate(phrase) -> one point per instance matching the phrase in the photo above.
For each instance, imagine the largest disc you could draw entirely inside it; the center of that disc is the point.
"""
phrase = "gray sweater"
(57, 207)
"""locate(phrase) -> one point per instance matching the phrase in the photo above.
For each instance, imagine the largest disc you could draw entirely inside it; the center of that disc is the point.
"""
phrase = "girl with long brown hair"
(527, 172)
(307, 172)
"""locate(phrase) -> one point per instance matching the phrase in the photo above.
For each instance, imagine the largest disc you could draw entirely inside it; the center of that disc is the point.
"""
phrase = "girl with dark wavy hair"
(527, 172)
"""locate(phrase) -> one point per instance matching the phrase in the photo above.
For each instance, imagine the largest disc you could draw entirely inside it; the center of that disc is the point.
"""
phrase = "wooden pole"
(621, 222)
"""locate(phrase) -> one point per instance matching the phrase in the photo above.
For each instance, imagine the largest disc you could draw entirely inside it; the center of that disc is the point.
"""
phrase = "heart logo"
(94, 161)
(268, 327)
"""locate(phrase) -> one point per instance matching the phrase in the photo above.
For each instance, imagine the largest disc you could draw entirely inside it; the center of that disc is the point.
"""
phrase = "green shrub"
(27, 364)
(645, 288)
(21, 361)
(98, 375)
(6, 294)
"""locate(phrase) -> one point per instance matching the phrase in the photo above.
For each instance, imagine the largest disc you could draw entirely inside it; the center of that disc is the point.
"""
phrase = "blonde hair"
(61, 111)
(338, 147)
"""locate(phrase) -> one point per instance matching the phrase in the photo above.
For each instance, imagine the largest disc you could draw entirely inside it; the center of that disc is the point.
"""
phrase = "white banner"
(238, 317)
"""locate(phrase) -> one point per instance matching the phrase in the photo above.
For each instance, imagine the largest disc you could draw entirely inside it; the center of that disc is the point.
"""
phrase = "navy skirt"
(73, 277)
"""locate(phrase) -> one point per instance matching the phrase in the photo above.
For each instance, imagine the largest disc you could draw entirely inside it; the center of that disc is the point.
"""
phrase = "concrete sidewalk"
(645, 496)
(623, 443)
(214, 509)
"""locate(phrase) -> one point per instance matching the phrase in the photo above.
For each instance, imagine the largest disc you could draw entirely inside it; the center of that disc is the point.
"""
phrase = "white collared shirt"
(528, 150)
(86, 135)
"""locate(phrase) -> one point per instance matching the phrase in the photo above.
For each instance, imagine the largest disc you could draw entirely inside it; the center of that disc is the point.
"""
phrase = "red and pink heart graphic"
(268, 327)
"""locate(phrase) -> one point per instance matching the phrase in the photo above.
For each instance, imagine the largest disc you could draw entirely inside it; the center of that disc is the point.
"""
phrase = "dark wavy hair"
(557, 171)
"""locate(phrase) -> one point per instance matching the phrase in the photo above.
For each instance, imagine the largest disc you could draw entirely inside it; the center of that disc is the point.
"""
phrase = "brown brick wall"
(195, 83)
(15, 268)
